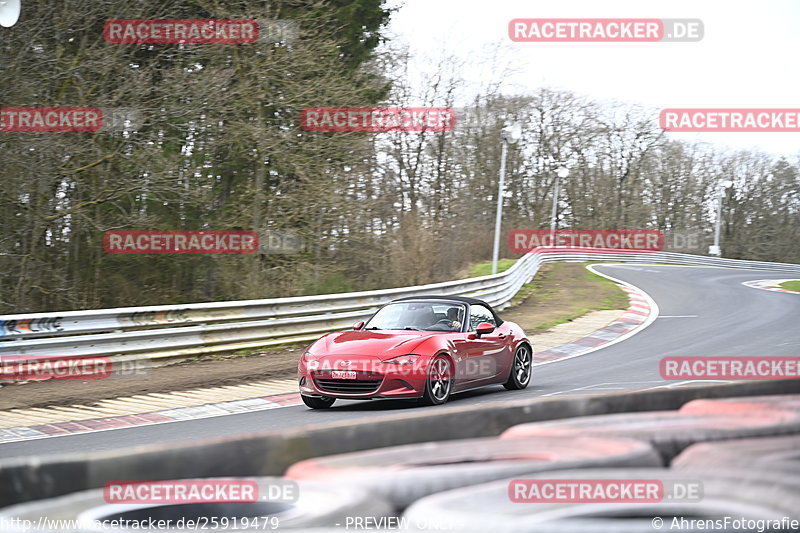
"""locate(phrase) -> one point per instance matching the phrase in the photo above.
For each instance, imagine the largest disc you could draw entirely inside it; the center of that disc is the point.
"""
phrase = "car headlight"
(308, 356)
(409, 359)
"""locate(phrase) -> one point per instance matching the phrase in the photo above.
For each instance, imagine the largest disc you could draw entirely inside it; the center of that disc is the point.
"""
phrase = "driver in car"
(453, 315)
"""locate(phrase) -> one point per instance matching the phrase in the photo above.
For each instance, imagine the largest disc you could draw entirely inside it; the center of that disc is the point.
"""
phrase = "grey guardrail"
(157, 332)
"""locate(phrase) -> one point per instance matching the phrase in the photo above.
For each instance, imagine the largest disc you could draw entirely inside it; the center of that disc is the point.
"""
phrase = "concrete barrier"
(271, 453)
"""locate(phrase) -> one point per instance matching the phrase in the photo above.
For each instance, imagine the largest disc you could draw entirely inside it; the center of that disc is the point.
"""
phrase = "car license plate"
(343, 374)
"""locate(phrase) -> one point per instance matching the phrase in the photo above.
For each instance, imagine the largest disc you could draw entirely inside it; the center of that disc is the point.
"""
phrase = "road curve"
(703, 312)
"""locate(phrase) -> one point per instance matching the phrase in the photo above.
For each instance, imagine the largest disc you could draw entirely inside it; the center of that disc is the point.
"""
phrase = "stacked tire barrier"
(741, 451)
(775, 454)
(317, 505)
(404, 474)
(727, 493)
(747, 483)
(670, 432)
(753, 480)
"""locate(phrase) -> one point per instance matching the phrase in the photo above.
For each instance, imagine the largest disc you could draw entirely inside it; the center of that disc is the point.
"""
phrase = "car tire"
(439, 381)
(743, 404)
(403, 474)
(521, 368)
(780, 455)
(489, 507)
(670, 432)
(318, 402)
(316, 505)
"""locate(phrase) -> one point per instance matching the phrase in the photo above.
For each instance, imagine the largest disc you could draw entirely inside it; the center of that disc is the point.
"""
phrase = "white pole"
(719, 221)
(553, 213)
(721, 187)
(500, 194)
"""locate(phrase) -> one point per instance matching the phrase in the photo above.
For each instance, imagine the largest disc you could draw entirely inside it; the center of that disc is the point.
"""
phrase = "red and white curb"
(146, 419)
(641, 312)
(770, 285)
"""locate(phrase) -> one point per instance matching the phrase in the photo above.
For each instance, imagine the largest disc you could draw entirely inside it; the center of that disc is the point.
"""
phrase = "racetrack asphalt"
(702, 312)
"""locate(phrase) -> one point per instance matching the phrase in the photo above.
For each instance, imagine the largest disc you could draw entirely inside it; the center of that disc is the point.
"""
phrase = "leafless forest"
(220, 147)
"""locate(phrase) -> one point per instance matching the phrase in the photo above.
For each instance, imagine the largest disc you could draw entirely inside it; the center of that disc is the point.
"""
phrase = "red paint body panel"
(331, 362)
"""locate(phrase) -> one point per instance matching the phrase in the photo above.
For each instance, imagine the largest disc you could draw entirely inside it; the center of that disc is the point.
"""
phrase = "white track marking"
(650, 319)
(602, 386)
(671, 385)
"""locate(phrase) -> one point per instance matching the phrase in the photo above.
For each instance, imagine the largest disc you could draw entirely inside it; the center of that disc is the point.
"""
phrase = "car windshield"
(423, 316)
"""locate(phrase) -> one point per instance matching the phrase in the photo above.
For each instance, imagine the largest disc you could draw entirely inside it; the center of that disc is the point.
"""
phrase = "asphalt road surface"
(702, 312)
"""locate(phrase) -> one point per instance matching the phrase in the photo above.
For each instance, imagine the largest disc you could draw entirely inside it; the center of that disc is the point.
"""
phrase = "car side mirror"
(484, 328)
(358, 325)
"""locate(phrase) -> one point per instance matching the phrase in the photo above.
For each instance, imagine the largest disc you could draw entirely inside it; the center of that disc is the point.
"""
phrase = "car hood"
(381, 344)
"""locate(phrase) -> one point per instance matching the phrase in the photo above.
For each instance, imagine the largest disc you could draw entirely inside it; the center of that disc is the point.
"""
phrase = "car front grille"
(348, 386)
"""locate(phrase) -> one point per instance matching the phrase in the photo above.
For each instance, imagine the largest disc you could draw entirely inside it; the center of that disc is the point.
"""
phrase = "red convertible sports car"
(424, 347)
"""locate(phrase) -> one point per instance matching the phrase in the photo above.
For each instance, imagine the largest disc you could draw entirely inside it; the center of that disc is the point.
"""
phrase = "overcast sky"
(748, 57)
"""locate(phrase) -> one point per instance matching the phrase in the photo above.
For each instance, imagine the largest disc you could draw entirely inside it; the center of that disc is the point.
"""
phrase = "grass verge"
(484, 269)
(793, 285)
(559, 293)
